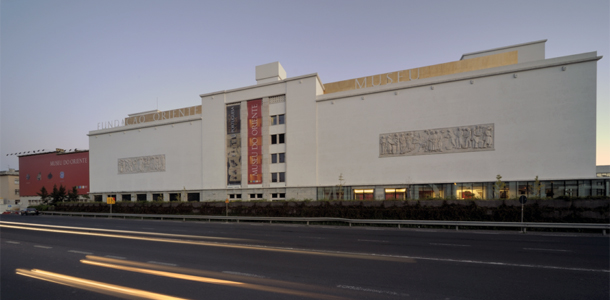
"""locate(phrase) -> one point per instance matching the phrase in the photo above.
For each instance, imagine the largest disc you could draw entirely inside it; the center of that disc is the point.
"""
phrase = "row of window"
(278, 158)
(274, 196)
(278, 177)
(472, 190)
(277, 139)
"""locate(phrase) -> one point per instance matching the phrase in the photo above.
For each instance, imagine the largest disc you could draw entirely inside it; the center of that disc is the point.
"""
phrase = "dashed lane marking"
(11, 242)
(449, 245)
(374, 241)
(243, 274)
(43, 247)
(357, 288)
(117, 257)
(162, 263)
(80, 252)
(554, 250)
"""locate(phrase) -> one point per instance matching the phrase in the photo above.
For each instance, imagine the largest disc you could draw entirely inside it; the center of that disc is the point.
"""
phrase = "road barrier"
(604, 227)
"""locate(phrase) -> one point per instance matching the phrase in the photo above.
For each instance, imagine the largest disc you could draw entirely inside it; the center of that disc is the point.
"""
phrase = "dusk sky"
(67, 65)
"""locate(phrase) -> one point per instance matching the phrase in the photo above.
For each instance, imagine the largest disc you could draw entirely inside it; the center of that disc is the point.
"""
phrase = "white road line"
(450, 245)
(243, 274)
(161, 263)
(375, 241)
(312, 237)
(117, 257)
(80, 252)
(43, 247)
(11, 242)
(423, 230)
(357, 288)
(554, 250)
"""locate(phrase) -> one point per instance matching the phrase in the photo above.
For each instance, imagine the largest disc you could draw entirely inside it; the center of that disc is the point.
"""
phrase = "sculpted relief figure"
(436, 141)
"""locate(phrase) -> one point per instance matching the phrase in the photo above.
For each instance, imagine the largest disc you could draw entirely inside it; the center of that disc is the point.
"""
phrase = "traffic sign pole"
(522, 200)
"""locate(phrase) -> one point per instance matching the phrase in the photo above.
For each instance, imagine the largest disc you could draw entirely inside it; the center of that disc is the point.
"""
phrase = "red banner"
(255, 142)
(69, 169)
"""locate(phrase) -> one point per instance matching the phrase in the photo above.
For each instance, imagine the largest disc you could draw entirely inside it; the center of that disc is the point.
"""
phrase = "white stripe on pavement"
(80, 252)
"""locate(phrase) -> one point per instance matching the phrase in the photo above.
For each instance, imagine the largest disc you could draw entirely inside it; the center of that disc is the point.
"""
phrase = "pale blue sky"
(67, 65)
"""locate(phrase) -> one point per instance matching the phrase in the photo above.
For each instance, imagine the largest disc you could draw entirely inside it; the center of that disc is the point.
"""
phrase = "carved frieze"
(437, 141)
(142, 164)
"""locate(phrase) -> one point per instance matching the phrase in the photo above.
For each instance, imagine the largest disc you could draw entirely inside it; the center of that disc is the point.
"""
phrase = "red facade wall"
(67, 169)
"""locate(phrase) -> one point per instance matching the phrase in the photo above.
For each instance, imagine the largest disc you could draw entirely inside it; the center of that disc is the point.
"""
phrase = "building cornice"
(145, 125)
(502, 48)
(547, 63)
(262, 85)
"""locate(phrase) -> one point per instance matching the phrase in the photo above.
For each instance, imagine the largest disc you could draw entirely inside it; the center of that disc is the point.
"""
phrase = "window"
(278, 158)
(17, 201)
(256, 196)
(17, 192)
(97, 198)
(278, 177)
(141, 197)
(364, 194)
(278, 196)
(126, 197)
(175, 197)
(157, 197)
(395, 194)
(277, 139)
(194, 197)
(16, 181)
(235, 196)
(277, 120)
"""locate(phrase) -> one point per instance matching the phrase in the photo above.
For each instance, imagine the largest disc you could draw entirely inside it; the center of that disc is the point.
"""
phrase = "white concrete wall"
(178, 140)
(213, 134)
(544, 125)
(301, 132)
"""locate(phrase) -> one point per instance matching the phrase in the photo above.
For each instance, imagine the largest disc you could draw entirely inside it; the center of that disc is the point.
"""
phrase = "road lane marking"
(342, 254)
(374, 241)
(449, 245)
(243, 274)
(80, 252)
(117, 257)
(554, 250)
(43, 247)
(357, 288)
(161, 263)
(114, 230)
(11, 242)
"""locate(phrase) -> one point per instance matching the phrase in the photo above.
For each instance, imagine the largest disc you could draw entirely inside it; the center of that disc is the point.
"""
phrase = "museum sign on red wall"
(67, 169)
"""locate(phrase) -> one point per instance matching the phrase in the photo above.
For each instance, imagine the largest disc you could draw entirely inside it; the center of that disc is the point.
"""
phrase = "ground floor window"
(396, 194)
(235, 196)
(278, 196)
(194, 197)
(175, 197)
(141, 197)
(126, 197)
(364, 194)
(256, 196)
(335, 193)
(157, 197)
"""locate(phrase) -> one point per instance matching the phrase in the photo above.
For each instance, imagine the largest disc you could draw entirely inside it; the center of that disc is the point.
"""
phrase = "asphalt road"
(49, 257)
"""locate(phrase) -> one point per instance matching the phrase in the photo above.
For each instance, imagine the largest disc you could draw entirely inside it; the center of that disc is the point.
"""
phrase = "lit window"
(395, 194)
(364, 194)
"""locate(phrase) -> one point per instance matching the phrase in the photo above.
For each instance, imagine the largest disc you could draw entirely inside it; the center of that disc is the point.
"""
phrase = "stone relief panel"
(437, 141)
(142, 164)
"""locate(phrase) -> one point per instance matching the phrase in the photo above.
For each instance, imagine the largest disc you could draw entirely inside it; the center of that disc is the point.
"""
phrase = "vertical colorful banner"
(233, 145)
(255, 142)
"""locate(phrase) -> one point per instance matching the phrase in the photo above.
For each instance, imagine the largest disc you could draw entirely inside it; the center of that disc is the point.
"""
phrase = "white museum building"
(442, 131)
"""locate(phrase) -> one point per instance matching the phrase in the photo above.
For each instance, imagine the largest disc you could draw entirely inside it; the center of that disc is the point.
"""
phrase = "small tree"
(340, 191)
(538, 187)
(58, 194)
(44, 195)
(73, 195)
(499, 186)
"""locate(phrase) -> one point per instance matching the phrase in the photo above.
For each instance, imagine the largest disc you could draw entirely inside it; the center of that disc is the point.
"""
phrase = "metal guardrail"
(457, 224)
